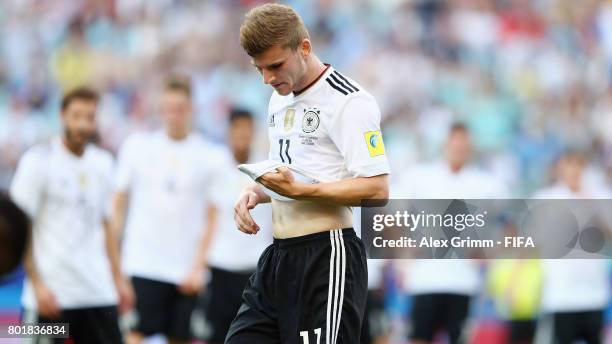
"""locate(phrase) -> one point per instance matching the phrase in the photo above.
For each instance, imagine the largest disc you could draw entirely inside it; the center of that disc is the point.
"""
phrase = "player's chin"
(283, 89)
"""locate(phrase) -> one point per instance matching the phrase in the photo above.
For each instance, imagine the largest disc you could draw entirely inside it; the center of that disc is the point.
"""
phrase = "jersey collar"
(58, 142)
(328, 69)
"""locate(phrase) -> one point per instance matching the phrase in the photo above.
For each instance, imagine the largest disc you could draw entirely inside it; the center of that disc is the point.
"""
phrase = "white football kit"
(574, 285)
(331, 130)
(169, 183)
(313, 288)
(68, 199)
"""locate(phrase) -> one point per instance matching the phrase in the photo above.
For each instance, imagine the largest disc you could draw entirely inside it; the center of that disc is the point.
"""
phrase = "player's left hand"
(282, 183)
(127, 298)
(193, 282)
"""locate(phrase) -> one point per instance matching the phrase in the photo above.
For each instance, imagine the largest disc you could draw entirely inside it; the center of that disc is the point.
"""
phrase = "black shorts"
(162, 309)
(309, 289)
(522, 331)
(573, 326)
(434, 312)
(223, 299)
(95, 325)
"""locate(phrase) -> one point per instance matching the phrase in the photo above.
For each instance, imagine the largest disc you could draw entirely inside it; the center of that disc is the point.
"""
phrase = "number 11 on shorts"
(304, 335)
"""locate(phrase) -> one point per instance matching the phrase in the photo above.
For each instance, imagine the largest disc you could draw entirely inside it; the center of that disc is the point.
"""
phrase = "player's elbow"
(380, 189)
(382, 193)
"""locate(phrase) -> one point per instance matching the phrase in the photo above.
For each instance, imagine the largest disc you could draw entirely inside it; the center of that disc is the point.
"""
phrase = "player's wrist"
(119, 278)
(37, 284)
(260, 195)
(200, 264)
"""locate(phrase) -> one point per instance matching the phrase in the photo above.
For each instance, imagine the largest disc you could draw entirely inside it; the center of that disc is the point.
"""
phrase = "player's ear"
(305, 47)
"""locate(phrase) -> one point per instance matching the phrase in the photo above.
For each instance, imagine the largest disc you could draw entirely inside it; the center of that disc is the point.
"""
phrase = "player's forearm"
(112, 251)
(119, 212)
(30, 264)
(113, 230)
(207, 237)
(349, 192)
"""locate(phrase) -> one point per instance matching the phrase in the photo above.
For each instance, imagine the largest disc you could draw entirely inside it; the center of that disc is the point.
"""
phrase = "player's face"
(241, 134)
(176, 110)
(458, 148)
(570, 170)
(79, 120)
(282, 68)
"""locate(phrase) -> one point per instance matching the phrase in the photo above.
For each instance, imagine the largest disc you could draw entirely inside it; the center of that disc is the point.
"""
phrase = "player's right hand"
(242, 215)
(46, 302)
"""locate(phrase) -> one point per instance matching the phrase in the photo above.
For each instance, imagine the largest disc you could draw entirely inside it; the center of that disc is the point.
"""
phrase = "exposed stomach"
(298, 218)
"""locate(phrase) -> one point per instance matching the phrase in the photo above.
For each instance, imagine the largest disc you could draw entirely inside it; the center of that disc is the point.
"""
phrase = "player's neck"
(241, 157)
(177, 135)
(75, 149)
(314, 69)
(455, 167)
(574, 188)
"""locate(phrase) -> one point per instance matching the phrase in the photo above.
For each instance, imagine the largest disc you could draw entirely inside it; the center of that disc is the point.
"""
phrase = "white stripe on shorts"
(330, 288)
(343, 272)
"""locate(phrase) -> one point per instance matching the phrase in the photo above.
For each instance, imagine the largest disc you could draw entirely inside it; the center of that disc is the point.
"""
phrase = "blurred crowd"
(529, 78)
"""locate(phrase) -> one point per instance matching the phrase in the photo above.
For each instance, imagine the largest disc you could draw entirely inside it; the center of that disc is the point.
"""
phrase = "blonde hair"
(271, 24)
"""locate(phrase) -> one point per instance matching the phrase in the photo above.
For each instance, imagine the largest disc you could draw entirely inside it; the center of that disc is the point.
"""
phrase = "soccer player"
(310, 285)
(442, 289)
(576, 292)
(230, 271)
(163, 196)
(73, 272)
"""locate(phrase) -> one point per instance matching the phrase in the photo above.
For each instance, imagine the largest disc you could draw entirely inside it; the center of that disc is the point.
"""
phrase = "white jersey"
(232, 249)
(170, 184)
(431, 181)
(331, 131)
(572, 285)
(68, 199)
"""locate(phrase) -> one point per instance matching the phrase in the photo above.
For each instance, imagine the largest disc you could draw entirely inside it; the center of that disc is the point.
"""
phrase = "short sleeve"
(216, 183)
(355, 130)
(28, 182)
(124, 168)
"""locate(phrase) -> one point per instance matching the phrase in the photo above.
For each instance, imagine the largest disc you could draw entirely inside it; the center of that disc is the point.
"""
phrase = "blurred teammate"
(164, 197)
(376, 323)
(14, 234)
(65, 186)
(442, 289)
(233, 255)
(576, 291)
(310, 285)
(516, 286)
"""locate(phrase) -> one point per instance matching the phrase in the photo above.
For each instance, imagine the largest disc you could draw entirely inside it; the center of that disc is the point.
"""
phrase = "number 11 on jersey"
(285, 143)
(304, 335)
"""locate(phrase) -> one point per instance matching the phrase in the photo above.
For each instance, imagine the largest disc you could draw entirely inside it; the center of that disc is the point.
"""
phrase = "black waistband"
(345, 232)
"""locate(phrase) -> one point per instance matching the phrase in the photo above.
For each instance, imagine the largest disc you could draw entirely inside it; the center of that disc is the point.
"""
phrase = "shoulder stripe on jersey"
(345, 80)
(335, 86)
(338, 82)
